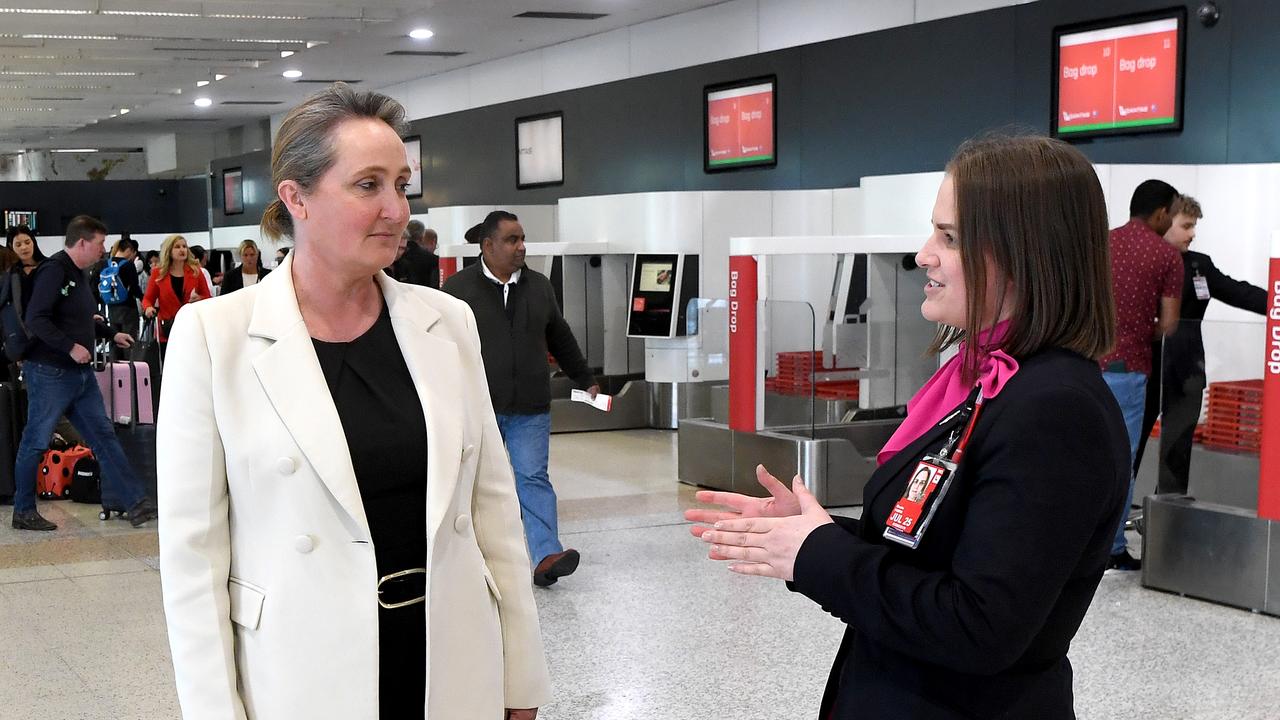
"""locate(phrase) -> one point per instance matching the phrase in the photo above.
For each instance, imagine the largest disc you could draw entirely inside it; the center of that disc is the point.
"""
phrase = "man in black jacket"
(419, 264)
(60, 378)
(1176, 392)
(519, 322)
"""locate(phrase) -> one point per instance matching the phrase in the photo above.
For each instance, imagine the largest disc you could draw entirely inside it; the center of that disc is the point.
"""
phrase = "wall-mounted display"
(232, 191)
(413, 153)
(13, 218)
(540, 150)
(739, 124)
(1119, 76)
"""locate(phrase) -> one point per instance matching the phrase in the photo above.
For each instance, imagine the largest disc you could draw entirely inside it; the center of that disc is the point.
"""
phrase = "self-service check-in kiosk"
(662, 285)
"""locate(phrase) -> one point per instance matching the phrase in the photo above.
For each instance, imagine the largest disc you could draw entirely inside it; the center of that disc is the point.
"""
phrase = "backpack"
(16, 338)
(110, 286)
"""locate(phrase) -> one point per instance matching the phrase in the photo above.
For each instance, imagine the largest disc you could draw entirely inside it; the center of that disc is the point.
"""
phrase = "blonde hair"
(245, 244)
(304, 148)
(166, 254)
(1188, 206)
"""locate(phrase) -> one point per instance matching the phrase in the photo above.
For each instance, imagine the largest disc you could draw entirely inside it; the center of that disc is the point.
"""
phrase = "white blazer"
(266, 560)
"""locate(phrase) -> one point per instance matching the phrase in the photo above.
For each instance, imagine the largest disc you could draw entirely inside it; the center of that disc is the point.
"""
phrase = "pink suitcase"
(143, 409)
(104, 387)
(121, 393)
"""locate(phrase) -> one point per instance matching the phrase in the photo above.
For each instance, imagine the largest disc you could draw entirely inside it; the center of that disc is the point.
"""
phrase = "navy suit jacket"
(976, 622)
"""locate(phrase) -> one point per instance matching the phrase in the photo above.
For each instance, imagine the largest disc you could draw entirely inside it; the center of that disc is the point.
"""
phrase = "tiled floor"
(647, 628)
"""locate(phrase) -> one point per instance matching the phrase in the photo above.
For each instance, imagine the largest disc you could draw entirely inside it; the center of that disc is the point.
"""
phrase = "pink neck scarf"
(946, 389)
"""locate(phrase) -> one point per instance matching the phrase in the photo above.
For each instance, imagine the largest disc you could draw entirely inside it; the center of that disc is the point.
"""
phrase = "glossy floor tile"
(647, 627)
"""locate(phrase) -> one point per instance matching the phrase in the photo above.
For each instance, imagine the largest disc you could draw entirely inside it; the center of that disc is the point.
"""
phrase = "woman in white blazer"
(340, 536)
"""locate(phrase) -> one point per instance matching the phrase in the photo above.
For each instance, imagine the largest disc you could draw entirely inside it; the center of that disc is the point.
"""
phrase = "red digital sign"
(740, 127)
(1119, 78)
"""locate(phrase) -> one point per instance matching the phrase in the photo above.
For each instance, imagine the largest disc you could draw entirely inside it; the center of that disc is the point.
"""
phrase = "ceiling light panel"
(42, 36)
(43, 11)
(151, 13)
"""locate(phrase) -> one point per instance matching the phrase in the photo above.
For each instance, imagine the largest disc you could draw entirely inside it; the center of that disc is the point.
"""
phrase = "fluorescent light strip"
(25, 72)
(43, 11)
(73, 150)
(90, 73)
(233, 16)
(25, 109)
(42, 36)
(151, 13)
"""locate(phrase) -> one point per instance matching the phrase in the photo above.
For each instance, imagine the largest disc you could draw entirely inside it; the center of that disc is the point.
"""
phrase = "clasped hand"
(760, 536)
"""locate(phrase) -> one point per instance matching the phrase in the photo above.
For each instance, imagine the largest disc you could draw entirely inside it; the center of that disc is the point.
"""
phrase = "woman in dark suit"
(248, 272)
(962, 604)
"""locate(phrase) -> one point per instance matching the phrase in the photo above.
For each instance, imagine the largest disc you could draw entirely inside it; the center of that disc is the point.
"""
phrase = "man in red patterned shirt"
(1146, 274)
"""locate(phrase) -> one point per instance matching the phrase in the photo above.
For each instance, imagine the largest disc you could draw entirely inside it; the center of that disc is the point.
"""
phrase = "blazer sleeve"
(563, 346)
(202, 286)
(1039, 495)
(233, 280)
(1236, 293)
(496, 518)
(195, 539)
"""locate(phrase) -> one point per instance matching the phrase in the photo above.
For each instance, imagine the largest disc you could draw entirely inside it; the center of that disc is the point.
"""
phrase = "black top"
(234, 279)
(976, 622)
(1184, 350)
(387, 436)
(418, 266)
(515, 339)
(60, 312)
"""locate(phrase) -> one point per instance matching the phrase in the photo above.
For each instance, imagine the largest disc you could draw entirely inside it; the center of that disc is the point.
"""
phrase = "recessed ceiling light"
(286, 53)
(124, 111)
(315, 43)
(218, 76)
(201, 83)
(291, 74)
(420, 33)
(203, 102)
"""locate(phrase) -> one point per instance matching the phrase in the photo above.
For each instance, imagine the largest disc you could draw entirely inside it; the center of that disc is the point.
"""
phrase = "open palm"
(780, 503)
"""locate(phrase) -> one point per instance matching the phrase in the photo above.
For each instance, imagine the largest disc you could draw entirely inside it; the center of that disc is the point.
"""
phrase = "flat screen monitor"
(540, 150)
(13, 218)
(1119, 76)
(739, 124)
(413, 154)
(662, 284)
(232, 191)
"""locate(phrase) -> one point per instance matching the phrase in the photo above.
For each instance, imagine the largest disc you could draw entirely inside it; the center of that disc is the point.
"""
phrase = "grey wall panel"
(894, 101)
(133, 206)
(1254, 100)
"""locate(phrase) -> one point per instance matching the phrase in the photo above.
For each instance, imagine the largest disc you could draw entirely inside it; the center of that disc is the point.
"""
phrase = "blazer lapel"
(436, 368)
(931, 439)
(294, 383)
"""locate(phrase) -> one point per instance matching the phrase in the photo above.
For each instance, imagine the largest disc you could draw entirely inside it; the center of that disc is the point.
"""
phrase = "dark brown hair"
(304, 148)
(1032, 207)
(83, 227)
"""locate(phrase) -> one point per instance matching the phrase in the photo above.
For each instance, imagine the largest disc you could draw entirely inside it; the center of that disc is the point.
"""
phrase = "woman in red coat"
(176, 282)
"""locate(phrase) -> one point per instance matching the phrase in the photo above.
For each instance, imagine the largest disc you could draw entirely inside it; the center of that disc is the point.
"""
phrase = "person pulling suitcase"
(60, 378)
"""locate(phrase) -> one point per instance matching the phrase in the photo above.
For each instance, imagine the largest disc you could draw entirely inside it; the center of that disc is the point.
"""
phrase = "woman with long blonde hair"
(174, 283)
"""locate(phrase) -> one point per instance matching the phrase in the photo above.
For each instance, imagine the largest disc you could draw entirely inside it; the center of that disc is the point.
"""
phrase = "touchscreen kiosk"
(661, 286)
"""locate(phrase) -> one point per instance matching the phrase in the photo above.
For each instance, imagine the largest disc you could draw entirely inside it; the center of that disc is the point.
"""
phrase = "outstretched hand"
(780, 503)
(766, 545)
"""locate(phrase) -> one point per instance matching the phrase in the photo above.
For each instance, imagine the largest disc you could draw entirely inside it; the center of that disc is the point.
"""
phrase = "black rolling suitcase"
(13, 417)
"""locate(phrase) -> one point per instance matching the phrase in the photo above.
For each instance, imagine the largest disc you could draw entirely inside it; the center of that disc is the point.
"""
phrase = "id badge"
(913, 511)
(1202, 287)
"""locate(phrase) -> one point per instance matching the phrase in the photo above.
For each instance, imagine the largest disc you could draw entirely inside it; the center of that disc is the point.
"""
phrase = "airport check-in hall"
(601, 360)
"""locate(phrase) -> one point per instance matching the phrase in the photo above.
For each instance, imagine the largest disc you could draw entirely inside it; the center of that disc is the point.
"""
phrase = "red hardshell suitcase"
(143, 408)
(121, 406)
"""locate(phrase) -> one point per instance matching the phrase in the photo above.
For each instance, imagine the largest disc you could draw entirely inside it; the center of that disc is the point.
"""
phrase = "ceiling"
(68, 67)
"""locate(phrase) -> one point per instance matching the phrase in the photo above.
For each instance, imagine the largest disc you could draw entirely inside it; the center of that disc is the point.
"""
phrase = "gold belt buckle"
(394, 576)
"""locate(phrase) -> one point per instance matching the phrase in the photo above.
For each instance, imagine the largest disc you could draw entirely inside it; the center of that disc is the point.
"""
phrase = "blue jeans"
(1130, 390)
(51, 393)
(528, 438)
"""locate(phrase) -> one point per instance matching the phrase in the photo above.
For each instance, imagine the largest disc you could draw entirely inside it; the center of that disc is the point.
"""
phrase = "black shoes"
(555, 566)
(142, 512)
(31, 521)
(1124, 561)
